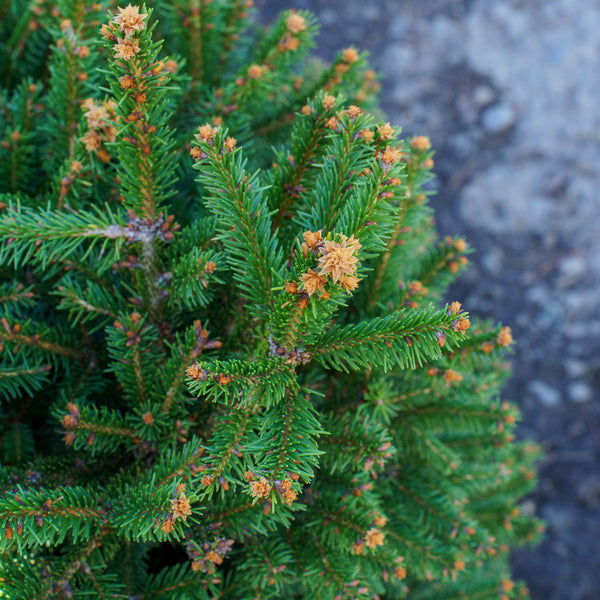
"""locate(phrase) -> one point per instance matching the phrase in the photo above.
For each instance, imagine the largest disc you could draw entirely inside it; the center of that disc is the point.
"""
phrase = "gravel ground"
(507, 91)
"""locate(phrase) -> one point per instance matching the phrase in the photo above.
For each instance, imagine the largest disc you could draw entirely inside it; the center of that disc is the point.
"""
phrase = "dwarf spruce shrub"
(228, 371)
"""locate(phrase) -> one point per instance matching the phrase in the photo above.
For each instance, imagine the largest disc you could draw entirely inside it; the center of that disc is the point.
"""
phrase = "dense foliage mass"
(227, 366)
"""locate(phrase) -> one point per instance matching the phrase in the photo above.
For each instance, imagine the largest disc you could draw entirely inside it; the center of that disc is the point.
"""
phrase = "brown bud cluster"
(101, 119)
(207, 556)
(70, 422)
(180, 506)
(292, 356)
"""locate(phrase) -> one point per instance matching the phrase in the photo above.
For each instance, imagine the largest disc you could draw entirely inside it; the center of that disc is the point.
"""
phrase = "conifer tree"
(228, 365)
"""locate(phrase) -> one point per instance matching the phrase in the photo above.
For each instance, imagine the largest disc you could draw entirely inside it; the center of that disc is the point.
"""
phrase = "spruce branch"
(328, 573)
(243, 217)
(425, 558)
(420, 444)
(179, 582)
(182, 462)
(22, 115)
(92, 303)
(269, 566)
(241, 384)
(134, 357)
(18, 44)
(347, 152)
(193, 278)
(139, 83)
(18, 443)
(76, 566)
(225, 462)
(325, 274)
(429, 504)
(70, 65)
(50, 514)
(14, 293)
(187, 348)
(286, 445)
(364, 447)
(47, 235)
(234, 19)
(308, 136)
(96, 430)
(308, 139)
(241, 514)
(368, 215)
(453, 416)
(405, 339)
(145, 512)
(36, 336)
(402, 245)
(22, 377)
(197, 15)
(438, 267)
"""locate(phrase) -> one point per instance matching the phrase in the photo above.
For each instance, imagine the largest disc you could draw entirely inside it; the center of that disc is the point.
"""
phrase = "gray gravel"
(508, 92)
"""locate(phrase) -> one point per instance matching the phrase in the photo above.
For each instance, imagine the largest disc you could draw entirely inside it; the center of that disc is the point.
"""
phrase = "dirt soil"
(508, 91)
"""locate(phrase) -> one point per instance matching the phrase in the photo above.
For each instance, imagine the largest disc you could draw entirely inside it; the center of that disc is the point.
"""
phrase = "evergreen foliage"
(228, 369)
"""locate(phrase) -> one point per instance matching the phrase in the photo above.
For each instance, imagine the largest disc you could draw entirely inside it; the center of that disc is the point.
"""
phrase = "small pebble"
(483, 95)
(580, 392)
(575, 368)
(571, 269)
(492, 260)
(498, 118)
(546, 394)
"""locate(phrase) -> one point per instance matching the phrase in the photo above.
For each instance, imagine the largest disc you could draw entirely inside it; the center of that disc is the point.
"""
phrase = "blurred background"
(509, 93)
